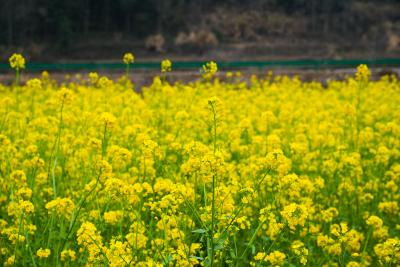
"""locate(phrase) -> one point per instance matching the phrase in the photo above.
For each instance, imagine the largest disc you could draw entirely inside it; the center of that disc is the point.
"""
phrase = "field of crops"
(269, 171)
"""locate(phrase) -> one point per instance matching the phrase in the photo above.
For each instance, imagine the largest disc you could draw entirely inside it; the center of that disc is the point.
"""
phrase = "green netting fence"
(182, 65)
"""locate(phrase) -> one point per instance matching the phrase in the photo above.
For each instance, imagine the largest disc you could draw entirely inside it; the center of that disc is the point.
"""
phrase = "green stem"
(17, 242)
(57, 147)
(251, 240)
(30, 250)
(367, 240)
(17, 77)
(127, 71)
(75, 215)
(213, 188)
(212, 220)
(17, 82)
(104, 142)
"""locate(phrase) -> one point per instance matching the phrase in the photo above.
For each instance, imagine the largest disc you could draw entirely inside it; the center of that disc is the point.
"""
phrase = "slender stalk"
(104, 142)
(367, 240)
(17, 77)
(251, 240)
(127, 71)
(30, 250)
(212, 220)
(213, 187)
(17, 241)
(83, 200)
(17, 82)
(76, 214)
(57, 147)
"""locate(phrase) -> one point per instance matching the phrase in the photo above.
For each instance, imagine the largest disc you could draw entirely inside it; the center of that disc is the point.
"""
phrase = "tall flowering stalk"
(166, 66)
(209, 70)
(128, 59)
(212, 103)
(17, 62)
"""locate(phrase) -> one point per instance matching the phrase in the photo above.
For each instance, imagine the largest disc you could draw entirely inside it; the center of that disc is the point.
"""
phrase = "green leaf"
(219, 246)
(199, 231)
(197, 258)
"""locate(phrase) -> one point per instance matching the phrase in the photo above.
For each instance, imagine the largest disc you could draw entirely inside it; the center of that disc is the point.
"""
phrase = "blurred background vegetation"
(50, 30)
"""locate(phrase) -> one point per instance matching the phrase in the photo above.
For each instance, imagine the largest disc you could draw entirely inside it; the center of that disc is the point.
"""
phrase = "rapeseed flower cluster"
(166, 65)
(223, 171)
(128, 58)
(17, 61)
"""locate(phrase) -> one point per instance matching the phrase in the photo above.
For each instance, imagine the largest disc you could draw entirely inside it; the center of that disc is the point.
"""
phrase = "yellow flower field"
(223, 171)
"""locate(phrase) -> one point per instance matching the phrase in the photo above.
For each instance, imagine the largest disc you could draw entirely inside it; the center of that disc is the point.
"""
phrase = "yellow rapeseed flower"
(128, 58)
(34, 84)
(209, 70)
(113, 217)
(43, 253)
(363, 73)
(166, 65)
(10, 261)
(17, 61)
(375, 221)
(68, 255)
(61, 206)
(276, 258)
(93, 78)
